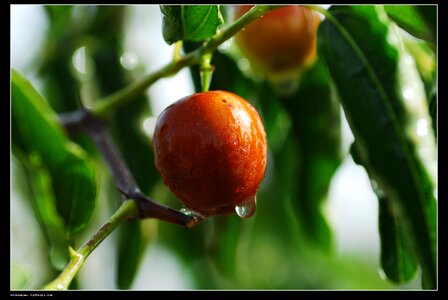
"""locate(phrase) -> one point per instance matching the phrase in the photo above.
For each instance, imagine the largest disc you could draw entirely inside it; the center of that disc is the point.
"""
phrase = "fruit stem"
(105, 105)
(206, 71)
(177, 51)
(126, 211)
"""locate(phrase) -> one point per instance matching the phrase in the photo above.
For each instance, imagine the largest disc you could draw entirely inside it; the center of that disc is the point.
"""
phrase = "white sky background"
(352, 206)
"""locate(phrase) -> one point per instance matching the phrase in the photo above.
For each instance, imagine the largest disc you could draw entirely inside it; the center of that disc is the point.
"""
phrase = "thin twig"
(77, 258)
(126, 184)
(103, 106)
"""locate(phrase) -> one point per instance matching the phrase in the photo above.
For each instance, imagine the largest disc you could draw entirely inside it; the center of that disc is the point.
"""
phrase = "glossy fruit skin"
(282, 41)
(211, 151)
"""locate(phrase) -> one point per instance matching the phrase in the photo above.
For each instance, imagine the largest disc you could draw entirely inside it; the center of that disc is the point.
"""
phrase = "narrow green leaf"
(190, 22)
(315, 117)
(35, 185)
(429, 14)
(171, 23)
(130, 250)
(75, 191)
(397, 258)
(385, 103)
(38, 133)
(409, 18)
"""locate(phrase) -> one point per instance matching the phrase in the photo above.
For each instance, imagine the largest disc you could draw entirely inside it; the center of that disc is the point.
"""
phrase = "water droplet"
(243, 151)
(189, 212)
(195, 219)
(60, 286)
(129, 60)
(422, 127)
(243, 64)
(408, 92)
(186, 211)
(247, 208)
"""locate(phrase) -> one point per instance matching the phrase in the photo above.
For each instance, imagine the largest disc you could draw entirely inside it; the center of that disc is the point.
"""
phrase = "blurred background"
(272, 250)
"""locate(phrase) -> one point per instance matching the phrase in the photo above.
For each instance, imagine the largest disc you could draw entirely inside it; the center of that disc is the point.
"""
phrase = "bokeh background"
(265, 252)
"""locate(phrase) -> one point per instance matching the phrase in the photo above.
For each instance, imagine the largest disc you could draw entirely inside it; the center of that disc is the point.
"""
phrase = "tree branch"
(123, 178)
(103, 106)
(77, 258)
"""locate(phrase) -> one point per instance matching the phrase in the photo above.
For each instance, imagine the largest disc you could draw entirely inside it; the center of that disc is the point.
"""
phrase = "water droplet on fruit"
(246, 208)
(243, 151)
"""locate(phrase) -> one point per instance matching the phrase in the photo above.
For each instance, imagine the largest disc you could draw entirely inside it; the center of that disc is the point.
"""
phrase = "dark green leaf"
(190, 22)
(75, 191)
(409, 18)
(38, 134)
(130, 250)
(397, 258)
(385, 104)
(171, 23)
(429, 14)
(35, 183)
(315, 118)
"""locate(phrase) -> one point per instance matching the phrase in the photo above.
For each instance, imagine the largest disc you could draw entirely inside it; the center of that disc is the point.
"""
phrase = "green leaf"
(427, 67)
(397, 258)
(429, 14)
(34, 182)
(410, 18)
(386, 107)
(190, 22)
(315, 117)
(37, 133)
(130, 250)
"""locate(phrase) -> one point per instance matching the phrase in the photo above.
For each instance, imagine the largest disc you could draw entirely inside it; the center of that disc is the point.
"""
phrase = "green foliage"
(382, 76)
(397, 258)
(130, 250)
(372, 72)
(38, 136)
(418, 20)
(126, 129)
(189, 22)
(317, 130)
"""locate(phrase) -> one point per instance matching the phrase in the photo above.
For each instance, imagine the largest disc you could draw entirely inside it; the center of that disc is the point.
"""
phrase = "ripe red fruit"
(280, 43)
(211, 151)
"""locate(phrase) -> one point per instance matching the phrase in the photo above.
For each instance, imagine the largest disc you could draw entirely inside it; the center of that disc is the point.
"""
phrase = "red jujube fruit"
(211, 151)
